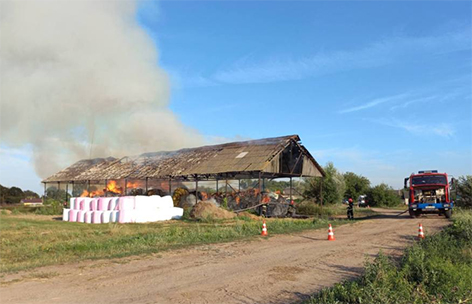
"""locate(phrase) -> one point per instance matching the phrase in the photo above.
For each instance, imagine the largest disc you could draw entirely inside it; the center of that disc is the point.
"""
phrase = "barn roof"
(275, 157)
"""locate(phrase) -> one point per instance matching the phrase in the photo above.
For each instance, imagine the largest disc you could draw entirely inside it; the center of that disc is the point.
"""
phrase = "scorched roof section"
(269, 157)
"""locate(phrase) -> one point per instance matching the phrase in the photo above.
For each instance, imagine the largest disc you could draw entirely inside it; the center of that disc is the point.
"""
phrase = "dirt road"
(278, 269)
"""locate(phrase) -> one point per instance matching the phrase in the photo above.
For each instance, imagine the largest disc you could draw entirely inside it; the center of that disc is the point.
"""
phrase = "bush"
(464, 191)
(51, 207)
(383, 195)
(436, 270)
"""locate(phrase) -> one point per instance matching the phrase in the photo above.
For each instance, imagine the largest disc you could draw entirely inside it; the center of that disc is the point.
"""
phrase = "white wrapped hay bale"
(65, 215)
(163, 214)
(142, 202)
(126, 216)
(72, 203)
(106, 217)
(114, 216)
(166, 202)
(126, 203)
(176, 213)
(97, 217)
(113, 204)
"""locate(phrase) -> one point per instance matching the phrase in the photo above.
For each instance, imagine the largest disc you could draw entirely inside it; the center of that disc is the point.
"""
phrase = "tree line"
(336, 187)
(14, 195)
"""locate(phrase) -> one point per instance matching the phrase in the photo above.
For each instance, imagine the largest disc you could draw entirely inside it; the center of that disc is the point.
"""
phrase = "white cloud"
(376, 102)
(439, 129)
(380, 53)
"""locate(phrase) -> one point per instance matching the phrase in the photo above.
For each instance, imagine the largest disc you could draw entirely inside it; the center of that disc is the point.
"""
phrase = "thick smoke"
(81, 79)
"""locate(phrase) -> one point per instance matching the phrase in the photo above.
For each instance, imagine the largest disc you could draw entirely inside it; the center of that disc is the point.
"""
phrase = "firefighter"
(350, 209)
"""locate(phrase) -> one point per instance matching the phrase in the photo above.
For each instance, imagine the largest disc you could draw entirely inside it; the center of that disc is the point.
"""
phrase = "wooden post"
(290, 189)
(146, 185)
(196, 189)
(226, 186)
(259, 183)
(67, 191)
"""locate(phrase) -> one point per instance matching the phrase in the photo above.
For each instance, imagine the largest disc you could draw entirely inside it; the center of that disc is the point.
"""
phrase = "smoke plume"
(81, 79)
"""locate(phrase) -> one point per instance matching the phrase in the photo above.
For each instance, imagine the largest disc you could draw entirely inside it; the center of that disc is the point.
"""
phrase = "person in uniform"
(350, 209)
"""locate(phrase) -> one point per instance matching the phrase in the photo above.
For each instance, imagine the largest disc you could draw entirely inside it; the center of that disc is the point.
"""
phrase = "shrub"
(51, 207)
(464, 191)
(383, 195)
(436, 270)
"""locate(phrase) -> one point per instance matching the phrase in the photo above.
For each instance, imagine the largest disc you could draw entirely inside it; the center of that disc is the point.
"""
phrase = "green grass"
(32, 242)
(435, 270)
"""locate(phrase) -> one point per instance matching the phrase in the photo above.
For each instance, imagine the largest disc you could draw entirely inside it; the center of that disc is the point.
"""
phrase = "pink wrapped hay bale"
(103, 203)
(80, 216)
(73, 215)
(93, 204)
(88, 217)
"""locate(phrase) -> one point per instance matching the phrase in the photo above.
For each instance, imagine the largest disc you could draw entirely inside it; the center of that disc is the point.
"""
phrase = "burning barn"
(233, 174)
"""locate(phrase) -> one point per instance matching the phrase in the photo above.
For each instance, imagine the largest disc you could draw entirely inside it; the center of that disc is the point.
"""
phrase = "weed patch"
(435, 270)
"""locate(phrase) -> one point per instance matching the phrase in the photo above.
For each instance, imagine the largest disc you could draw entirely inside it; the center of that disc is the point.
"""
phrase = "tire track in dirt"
(279, 269)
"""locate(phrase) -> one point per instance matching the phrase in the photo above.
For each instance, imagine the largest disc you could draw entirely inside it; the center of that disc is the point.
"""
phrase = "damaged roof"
(276, 157)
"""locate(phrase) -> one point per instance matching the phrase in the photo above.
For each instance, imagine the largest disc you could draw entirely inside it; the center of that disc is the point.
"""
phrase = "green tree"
(355, 185)
(464, 191)
(383, 195)
(57, 194)
(331, 187)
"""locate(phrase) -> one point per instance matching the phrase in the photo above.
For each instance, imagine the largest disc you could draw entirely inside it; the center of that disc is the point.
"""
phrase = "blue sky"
(381, 89)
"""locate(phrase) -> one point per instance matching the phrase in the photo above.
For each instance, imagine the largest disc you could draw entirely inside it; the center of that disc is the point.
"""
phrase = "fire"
(85, 193)
(132, 185)
(112, 187)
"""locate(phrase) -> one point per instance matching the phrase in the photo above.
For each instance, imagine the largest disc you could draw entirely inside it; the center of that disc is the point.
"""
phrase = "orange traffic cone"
(420, 231)
(264, 229)
(330, 233)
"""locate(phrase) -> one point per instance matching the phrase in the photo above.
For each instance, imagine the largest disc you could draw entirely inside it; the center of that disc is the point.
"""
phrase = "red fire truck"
(429, 192)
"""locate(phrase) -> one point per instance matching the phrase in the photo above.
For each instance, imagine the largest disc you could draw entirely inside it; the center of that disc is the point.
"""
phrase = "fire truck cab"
(429, 192)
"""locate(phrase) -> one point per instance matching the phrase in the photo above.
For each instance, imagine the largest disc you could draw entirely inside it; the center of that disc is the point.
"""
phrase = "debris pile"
(207, 210)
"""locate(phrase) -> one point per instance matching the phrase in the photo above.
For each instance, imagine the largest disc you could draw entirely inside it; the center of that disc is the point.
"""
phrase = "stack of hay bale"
(125, 209)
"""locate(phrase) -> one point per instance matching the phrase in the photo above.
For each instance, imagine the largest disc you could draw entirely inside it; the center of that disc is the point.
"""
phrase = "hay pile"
(207, 210)
(249, 215)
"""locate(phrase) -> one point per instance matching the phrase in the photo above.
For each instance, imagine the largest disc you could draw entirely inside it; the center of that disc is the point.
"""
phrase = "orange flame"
(112, 187)
(132, 185)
